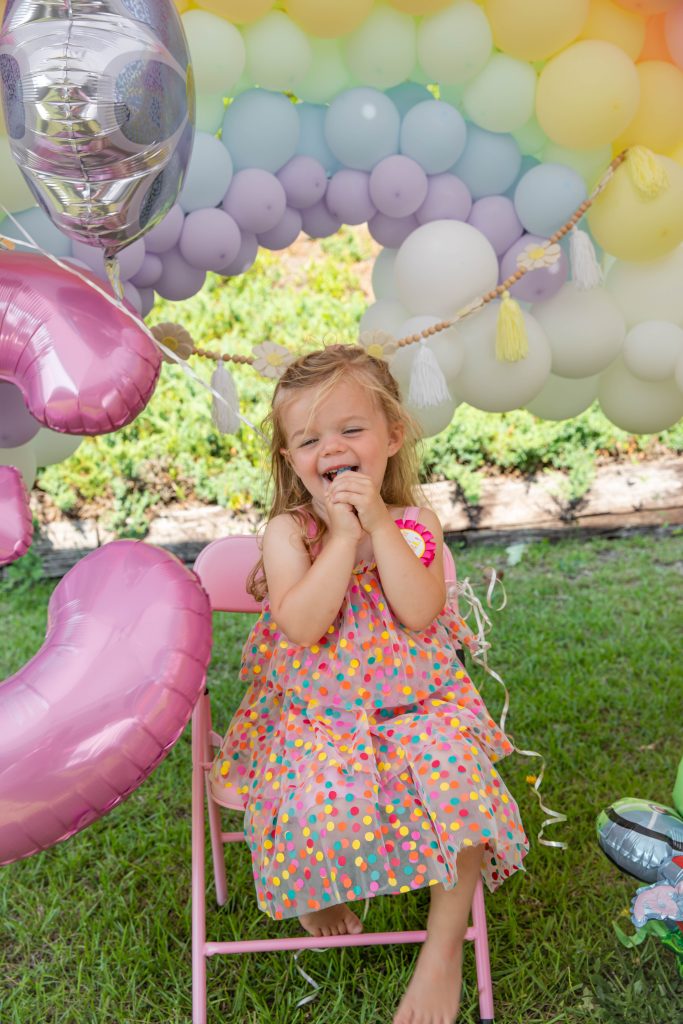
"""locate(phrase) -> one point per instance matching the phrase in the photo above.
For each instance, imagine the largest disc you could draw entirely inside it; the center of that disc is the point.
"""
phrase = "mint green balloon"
(589, 163)
(382, 52)
(327, 74)
(531, 138)
(278, 52)
(454, 45)
(501, 97)
(209, 113)
(217, 52)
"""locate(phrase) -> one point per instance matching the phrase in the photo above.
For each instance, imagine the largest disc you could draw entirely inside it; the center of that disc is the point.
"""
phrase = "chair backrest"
(224, 565)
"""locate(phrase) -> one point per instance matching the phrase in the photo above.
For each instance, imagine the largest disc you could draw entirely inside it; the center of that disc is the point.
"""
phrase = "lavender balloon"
(304, 181)
(398, 186)
(284, 233)
(392, 231)
(256, 200)
(496, 218)
(149, 273)
(16, 522)
(318, 222)
(167, 232)
(17, 426)
(245, 258)
(448, 198)
(348, 197)
(210, 239)
(130, 259)
(536, 285)
(179, 280)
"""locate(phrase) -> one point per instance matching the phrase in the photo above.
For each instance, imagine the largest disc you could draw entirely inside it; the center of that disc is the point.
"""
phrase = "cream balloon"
(561, 398)
(631, 227)
(327, 74)
(385, 315)
(278, 52)
(239, 12)
(652, 350)
(501, 97)
(49, 447)
(381, 52)
(612, 24)
(447, 346)
(454, 45)
(23, 458)
(678, 376)
(331, 18)
(383, 279)
(648, 291)
(217, 52)
(535, 29)
(636, 405)
(585, 330)
(444, 265)
(493, 385)
(658, 122)
(432, 419)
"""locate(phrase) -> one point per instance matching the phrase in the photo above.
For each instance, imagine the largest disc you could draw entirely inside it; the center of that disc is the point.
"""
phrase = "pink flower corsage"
(420, 539)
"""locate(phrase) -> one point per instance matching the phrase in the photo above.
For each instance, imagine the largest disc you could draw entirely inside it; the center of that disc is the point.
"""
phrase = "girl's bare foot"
(433, 995)
(339, 920)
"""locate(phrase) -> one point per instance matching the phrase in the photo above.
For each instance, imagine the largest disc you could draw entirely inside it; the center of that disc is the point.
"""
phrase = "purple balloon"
(210, 239)
(131, 297)
(16, 521)
(17, 426)
(448, 198)
(284, 233)
(348, 197)
(391, 231)
(245, 258)
(129, 259)
(149, 273)
(167, 232)
(398, 186)
(256, 200)
(318, 222)
(304, 181)
(146, 301)
(496, 218)
(536, 285)
(178, 279)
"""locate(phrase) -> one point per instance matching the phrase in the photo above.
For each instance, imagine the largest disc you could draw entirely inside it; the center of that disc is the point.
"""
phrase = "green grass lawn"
(97, 929)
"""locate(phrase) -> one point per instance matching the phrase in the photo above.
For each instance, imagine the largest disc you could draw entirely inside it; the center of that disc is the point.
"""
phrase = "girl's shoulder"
(419, 514)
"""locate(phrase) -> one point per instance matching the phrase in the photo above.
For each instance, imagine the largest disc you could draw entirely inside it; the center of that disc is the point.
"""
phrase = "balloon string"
(30, 243)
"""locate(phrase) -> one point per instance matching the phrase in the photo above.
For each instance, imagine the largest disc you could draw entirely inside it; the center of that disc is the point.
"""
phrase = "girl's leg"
(338, 920)
(433, 995)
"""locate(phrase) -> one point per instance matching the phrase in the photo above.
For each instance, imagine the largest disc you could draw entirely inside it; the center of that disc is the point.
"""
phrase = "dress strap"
(411, 513)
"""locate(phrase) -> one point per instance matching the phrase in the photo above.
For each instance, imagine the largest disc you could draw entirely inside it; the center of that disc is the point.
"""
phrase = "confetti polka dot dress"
(364, 762)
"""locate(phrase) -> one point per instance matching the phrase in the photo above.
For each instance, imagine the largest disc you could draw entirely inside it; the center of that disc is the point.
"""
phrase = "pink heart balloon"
(16, 521)
(82, 365)
(97, 708)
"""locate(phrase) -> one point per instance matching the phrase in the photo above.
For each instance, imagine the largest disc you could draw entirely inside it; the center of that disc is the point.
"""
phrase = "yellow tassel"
(512, 343)
(647, 173)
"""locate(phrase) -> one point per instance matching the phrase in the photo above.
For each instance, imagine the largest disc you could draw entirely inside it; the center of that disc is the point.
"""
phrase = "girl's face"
(345, 429)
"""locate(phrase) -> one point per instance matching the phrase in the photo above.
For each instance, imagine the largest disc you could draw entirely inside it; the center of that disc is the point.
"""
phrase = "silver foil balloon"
(639, 836)
(99, 106)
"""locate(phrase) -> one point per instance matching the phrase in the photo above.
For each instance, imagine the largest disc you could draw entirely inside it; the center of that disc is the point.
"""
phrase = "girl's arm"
(415, 591)
(305, 597)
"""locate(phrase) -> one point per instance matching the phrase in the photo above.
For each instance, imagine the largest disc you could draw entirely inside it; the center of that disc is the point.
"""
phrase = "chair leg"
(481, 956)
(213, 811)
(199, 733)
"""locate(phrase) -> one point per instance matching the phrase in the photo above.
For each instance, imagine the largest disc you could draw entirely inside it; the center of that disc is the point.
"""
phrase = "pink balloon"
(284, 233)
(110, 691)
(448, 198)
(82, 365)
(536, 285)
(16, 521)
(673, 30)
(17, 426)
(398, 186)
(348, 197)
(304, 181)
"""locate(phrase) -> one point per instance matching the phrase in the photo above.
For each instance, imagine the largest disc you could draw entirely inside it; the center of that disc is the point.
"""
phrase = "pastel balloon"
(278, 52)
(381, 51)
(241, 12)
(284, 232)
(117, 80)
(318, 222)
(587, 95)
(217, 51)
(245, 258)
(392, 231)
(166, 234)
(327, 73)
(673, 28)
(113, 686)
(444, 265)
(447, 346)
(448, 198)
(312, 136)
(491, 384)
(16, 521)
(16, 195)
(362, 127)
(179, 279)
(304, 181)
(261, 129)
(407, 95)
(496, 218)
(652, 350)
(17, 426)
(130, 259)
(613, 24)
(633, 229)
(383, 280)
(658, 121)
(561, 398)
(49, 447)
(533, 29)
(489, 164)
(420, 6)
(432, 419)
(648, 291)
(501, 97)
(589, 163)
(585, 329)
(210, 239)
(40, 228)
(23, 459)
(453, 45)
(82, 364)
(149, 272)
(638, 406)
(547, 196)
(531, 138)
(332, 18)
(648, 6)
(536, 285)
(434, 134)
(384, 315)
(348, 197)
(398, 186)
(208, 176)
(256, 200)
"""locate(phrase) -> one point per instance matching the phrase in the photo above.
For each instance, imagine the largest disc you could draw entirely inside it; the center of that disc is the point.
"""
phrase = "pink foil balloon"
(16, 522)
(82, 365)
(94, 712)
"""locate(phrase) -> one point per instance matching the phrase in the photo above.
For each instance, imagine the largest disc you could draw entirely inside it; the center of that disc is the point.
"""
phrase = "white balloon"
(637, 405)
(433, 418)
(448, 347)
(494, 385)
(652, 349)
(648, 291)
(385, 315)
(678, 376)
(383, 280)
(585, 329)
(444, 265)
(560, 398)
(23, 458)
(50, 447)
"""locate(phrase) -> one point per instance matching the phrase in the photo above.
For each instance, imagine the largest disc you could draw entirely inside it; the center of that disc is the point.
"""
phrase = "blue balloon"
(546, 197)
(362, 127)
(208, 176)
(434, 134)
(261, 129)
(406, 95)
(312, 137)
(527, 163)
(41, 229)
(490, 162)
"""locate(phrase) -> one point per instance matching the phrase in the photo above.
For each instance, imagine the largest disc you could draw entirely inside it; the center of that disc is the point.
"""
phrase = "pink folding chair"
(223, 567)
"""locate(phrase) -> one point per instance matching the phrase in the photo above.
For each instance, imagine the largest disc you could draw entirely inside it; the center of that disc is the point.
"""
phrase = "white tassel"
(586, 271)
(427, 383)
(225, 415)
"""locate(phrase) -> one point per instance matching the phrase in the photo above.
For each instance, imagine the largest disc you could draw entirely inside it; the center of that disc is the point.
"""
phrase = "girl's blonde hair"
(323, 370)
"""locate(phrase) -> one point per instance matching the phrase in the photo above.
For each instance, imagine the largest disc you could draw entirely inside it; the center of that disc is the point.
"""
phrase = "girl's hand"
(342, 518)
(355, 490)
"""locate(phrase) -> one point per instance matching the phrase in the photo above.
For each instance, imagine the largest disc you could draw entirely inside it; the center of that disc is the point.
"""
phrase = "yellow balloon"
(587, 95)
(14, 192)
(183, 5)
(613, 24)
(239, 12)
(658, 123)
(677, 154)
(535, 29)
(328, 18)
(635, 228)
(420, 6)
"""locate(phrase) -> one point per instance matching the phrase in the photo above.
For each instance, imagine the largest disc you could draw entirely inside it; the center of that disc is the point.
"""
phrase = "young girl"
(361, 752)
